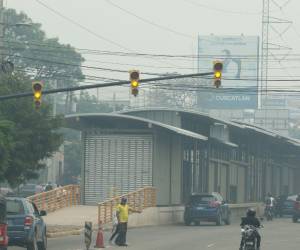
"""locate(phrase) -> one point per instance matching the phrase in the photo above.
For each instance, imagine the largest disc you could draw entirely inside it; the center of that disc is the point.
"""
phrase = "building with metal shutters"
(182, 152)
(124, 153)
(118, 162)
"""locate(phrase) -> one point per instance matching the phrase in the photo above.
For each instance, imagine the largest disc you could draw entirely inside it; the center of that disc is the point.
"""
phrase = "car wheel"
(43, 245)
(33, 245)
(219, 220)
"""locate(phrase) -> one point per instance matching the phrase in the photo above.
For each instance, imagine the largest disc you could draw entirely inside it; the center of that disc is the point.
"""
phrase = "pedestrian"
(122, 214)
(115, 229)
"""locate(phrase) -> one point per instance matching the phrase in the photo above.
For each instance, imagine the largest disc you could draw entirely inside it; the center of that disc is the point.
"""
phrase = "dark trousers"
(121, 239)
(258, 240)
(117, 229)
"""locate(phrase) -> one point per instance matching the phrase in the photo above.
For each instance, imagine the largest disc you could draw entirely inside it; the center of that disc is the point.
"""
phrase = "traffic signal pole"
(103, 85)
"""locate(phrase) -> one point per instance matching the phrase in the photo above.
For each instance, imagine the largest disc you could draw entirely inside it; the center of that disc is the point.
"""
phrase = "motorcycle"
(269, 212)
(249, 237)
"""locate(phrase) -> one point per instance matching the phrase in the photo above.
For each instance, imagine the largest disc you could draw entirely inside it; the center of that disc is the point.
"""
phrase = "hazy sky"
(168, 26)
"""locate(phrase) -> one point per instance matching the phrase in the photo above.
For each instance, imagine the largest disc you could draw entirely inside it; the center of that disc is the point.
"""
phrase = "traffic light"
(37, 93)
(134, 76)
(218, 67)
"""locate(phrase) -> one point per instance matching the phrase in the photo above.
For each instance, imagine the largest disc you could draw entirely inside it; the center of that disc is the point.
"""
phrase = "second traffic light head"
(37, 93)
(217, 67)
(134, 77)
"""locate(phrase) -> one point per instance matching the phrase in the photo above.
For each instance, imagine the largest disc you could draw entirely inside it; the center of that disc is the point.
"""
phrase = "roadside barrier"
(88, 230)
(57, 198)
(139, 200)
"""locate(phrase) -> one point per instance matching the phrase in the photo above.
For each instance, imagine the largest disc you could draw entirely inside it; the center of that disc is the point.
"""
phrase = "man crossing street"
(122, 214)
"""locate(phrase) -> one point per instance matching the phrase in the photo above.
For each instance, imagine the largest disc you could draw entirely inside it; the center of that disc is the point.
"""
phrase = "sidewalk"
(74, 216)
(70, 221)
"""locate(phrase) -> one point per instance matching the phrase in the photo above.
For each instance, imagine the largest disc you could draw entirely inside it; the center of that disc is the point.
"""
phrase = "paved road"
(277, 235)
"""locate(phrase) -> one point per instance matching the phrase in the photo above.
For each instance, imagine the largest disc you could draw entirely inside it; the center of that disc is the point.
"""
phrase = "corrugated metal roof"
(234, 124)
(176, 130)
(190, 112)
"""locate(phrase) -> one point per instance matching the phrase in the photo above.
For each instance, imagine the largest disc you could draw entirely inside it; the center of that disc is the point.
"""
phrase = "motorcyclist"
(251, 220)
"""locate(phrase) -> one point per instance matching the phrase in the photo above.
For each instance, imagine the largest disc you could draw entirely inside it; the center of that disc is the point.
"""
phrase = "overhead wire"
(83, 27)
(221, 9)
(165, 28)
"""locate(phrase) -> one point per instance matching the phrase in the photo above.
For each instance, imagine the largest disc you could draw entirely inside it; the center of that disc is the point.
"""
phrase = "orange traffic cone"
(100, 237)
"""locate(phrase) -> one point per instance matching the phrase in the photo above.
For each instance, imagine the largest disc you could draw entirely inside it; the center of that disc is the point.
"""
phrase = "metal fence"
(140, 199)
(58, 198)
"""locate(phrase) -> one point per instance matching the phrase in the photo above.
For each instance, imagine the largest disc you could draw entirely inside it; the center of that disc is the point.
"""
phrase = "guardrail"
(57, 198)
(140, 199)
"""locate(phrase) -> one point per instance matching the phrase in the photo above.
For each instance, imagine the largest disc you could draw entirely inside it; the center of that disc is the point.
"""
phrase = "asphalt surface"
(276, 235)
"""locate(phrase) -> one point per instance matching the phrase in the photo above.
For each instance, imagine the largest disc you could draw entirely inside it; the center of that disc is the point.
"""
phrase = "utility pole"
(1, 30)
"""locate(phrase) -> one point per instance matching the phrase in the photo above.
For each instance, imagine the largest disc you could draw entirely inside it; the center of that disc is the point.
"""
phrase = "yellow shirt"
(123, 211)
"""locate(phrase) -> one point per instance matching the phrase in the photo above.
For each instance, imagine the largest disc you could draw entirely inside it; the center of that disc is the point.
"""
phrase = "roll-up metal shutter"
(121, 162)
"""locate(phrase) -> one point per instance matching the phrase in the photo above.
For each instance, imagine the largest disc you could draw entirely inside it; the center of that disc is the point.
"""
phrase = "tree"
(27, 135)
(42, 58)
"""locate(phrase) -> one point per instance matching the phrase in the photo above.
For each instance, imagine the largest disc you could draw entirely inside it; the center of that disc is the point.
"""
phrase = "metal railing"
(140, 199)
(57, 198)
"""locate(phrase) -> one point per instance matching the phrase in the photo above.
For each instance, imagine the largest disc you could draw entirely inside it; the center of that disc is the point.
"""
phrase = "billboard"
(240, 56)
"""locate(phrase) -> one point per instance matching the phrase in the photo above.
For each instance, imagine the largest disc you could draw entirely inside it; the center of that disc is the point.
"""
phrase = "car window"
(14, 207)
(201, 199)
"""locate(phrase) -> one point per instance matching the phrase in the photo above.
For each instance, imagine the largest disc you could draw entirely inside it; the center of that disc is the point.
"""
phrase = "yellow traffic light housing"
(37, 93)
(217, 67)
(134, 77)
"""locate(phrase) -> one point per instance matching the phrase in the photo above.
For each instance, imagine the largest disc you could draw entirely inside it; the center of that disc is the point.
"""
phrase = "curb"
(64, 233)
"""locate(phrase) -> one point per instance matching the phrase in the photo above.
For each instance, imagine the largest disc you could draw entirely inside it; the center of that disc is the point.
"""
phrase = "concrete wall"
(173, 215)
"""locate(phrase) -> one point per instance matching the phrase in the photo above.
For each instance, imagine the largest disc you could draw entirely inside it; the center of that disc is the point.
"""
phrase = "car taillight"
(3, 234)
(214, 204)
(28, 221)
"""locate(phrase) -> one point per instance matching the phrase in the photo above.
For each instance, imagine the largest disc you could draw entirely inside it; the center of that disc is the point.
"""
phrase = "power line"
(221, 10)
(119, 53)
(81, 26)
(165, 28)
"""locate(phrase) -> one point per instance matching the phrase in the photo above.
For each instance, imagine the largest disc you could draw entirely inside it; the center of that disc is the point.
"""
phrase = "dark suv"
(207, 207)
(26, 228)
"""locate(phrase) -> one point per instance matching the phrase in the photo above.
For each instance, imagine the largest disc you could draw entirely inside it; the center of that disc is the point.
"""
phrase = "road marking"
(210, 245)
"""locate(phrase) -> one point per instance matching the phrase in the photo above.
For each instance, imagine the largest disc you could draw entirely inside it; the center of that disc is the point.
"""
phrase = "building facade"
(182, 152)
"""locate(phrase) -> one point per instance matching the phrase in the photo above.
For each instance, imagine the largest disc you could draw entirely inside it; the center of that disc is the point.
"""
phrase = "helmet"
(251, 212)
(123, 200)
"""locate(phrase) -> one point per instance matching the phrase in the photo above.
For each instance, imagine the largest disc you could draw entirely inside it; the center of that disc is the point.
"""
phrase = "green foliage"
(29, 49)
(27, 135)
